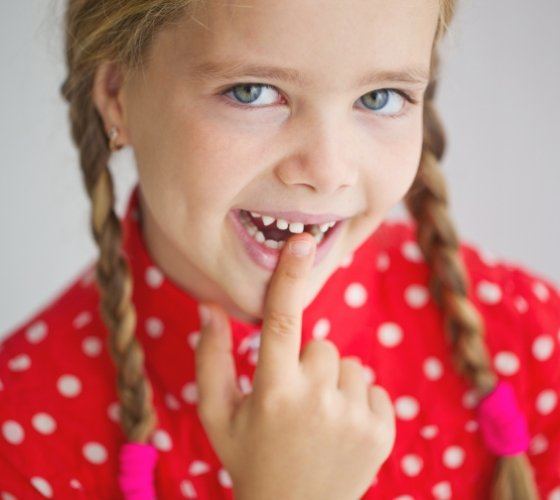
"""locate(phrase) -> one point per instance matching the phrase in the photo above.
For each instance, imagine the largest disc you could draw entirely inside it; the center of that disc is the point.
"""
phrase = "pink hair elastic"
(503, 426)
(136, 474)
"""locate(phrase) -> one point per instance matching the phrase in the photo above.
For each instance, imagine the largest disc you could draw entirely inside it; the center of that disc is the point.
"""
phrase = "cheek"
(394, 169)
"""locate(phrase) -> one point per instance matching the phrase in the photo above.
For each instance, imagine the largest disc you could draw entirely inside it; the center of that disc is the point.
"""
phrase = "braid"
(114, 279)
(428, 203)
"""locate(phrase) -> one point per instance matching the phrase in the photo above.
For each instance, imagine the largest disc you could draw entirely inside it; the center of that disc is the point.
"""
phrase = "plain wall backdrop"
(498, 97)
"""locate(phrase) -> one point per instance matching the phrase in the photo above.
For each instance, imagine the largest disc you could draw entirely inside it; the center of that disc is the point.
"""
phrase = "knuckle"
(269, 402)
(323, 347)
(352, 363)
(280, 323)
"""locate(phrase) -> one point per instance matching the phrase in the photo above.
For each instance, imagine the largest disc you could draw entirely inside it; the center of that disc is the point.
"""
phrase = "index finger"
(281, 328)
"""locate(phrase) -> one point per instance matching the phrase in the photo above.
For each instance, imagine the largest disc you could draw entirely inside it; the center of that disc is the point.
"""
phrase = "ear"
(108, 97)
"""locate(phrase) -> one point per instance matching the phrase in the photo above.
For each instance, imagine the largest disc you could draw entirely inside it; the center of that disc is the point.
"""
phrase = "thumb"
(216, 376)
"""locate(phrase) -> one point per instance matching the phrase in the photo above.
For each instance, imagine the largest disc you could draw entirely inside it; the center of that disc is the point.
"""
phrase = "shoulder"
(54, 369)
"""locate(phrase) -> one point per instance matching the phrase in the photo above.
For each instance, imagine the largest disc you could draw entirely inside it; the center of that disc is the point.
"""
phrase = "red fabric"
(59, 436)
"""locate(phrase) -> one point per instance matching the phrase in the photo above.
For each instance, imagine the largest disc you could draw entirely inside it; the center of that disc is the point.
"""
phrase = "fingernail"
(300, 248)
(204, 315)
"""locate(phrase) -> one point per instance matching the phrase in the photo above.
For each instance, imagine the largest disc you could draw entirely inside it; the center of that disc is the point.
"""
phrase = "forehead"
(321, 38)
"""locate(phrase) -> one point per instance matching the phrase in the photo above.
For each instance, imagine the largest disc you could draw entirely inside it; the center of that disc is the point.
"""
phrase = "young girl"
(250, 122)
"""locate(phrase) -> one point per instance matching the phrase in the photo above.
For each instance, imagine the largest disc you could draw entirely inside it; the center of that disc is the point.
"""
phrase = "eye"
(378, 101)
(248, 93)
(245, 95)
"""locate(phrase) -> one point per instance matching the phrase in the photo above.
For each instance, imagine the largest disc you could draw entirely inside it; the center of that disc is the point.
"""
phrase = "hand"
(311, 427)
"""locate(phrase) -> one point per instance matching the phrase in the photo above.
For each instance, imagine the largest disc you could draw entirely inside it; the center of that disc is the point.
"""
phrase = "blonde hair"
(121, 31)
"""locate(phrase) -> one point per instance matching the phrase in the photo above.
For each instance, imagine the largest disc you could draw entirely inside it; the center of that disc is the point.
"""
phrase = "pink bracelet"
(136, 474)
(503, 426)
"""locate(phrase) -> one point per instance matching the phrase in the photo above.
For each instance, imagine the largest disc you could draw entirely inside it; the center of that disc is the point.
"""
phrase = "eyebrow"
(219, 70)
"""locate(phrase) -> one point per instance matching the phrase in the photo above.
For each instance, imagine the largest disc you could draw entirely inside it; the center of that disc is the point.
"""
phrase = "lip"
(267, 258)
(294, 215)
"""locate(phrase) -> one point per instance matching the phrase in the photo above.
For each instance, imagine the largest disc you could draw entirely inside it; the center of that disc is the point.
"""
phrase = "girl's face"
(340, 137)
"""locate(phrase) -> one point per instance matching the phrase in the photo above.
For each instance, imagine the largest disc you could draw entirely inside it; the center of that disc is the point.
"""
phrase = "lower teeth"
(260, 238)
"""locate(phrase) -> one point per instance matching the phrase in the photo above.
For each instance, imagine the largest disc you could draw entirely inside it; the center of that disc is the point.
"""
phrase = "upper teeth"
(294, 227)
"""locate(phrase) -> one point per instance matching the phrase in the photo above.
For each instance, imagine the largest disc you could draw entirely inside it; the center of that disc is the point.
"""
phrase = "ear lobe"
(107, 95)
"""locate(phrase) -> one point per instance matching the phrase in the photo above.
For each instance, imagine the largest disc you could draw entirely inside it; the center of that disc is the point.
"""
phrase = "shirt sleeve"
(537, 301)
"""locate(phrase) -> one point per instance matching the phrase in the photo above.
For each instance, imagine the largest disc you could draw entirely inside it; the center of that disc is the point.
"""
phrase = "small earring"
(113, 134)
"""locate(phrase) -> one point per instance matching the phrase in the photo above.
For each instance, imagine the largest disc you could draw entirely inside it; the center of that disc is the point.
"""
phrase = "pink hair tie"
(136, 474)
(503, 426)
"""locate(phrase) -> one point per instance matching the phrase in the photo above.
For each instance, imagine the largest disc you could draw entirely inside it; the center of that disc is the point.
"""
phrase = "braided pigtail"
(428, 203)
(96, 31)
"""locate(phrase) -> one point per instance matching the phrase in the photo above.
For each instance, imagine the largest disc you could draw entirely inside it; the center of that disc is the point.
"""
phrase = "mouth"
(264, 237)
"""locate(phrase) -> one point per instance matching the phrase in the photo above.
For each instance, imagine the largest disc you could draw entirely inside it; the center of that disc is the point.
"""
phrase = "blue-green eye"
(378, 99)
(385, 102)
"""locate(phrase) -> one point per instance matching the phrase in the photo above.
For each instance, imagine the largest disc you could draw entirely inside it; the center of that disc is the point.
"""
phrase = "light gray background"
(499, 98)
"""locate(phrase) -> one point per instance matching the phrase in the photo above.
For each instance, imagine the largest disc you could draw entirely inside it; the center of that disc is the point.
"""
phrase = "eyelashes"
(236, 99)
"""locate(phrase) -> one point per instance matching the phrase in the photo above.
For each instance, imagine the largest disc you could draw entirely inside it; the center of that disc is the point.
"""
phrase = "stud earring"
(113, 134)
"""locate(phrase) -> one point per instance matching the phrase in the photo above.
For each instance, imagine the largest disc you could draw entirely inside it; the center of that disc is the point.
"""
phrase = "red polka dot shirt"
(59, 430)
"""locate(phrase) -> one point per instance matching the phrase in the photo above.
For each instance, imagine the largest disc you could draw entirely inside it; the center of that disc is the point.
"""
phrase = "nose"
(320, 155)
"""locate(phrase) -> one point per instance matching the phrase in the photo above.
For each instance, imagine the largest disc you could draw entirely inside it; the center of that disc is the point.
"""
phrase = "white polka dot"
(245, 384)
(453, 457)
(162, 440)
(193, 338)
(404, 497)
(172, 402)
(224, 478)
(19, 363)
(542, 347)
(389, 334)
(94, 452)
(541, 291)
(43, 423)
(36, 332)
(546, 401)
(554, 494)
(113, 411)
(190, 392)
(416, 296)
(471, 426)
(253, 357)
(406, 407)
(369, 375)
(198, 467)
(5, 495)
(506, 363)
(355, 295)
(81, 320)
(74, 483)
(13, 432)
(88, 277)
(383, 262)
(154, 327)
(488, 293)
(91, 346)
(539, 444)
(411, 251)
(347, 260)
(42, 486)
(521, 305)
(321, 328)
(442, 491)
(411, 465)
(470, 398)
(69, 385)
(487, 257)
(153, 277)
(429, 431)
(433, 368)
(187, 489)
